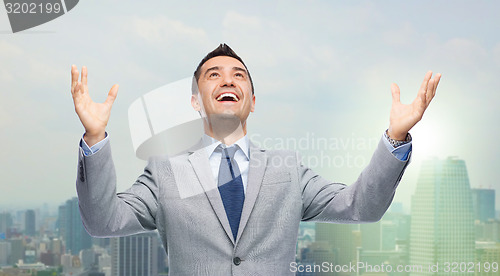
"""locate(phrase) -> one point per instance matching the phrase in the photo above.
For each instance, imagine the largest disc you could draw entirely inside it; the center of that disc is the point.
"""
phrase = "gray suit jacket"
(179, 197)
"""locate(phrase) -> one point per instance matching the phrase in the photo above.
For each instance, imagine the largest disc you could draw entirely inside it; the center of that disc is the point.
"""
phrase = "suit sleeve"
(104, 212)
(366, 200)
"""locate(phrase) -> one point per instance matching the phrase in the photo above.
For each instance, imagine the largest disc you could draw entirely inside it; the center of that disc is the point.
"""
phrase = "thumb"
(112, 94)
(395, 93)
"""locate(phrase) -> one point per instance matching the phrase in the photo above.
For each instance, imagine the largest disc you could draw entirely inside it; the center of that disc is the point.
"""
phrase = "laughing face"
(225, 90)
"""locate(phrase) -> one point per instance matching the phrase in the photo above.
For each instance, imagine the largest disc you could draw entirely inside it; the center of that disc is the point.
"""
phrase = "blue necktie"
(231, 187)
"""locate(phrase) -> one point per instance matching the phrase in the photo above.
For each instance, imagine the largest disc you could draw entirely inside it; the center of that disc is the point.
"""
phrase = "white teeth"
(221, 96)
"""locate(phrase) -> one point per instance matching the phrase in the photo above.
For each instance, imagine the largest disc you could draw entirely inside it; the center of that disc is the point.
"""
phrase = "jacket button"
(237, 261)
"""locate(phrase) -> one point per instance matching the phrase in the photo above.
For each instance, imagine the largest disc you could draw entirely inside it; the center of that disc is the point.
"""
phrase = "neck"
(225, 131)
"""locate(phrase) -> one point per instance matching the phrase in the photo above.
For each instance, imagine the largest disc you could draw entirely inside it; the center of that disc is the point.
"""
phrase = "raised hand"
(405, 116)
(94, 116)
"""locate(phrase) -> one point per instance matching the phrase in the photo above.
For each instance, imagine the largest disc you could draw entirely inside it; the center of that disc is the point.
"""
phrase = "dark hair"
(222, 50)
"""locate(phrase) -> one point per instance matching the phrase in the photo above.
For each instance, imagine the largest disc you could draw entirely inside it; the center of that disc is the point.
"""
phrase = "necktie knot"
(228, 152)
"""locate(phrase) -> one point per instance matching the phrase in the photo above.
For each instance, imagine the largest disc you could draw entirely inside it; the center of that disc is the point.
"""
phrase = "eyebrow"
(239, 69)
(216, 68)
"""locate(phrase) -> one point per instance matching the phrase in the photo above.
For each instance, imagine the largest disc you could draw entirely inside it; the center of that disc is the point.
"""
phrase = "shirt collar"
(211, 144)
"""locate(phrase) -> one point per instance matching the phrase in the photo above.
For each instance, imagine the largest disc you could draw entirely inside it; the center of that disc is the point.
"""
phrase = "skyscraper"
(75, 236)
(5, 222)
(29, 223)
(61, 221)
(135, 255)
(483, 201)
(382, 235)
(5, 248)
(442, 219)
(16, 250)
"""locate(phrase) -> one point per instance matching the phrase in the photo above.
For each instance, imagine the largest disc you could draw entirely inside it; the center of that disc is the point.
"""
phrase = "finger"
(423, 86)
(395, 93)
(75, 93)
(429, 92)
(112, 95)
(78, 89)
(437, 79)
(432, 93)
(421, 99)
(74, 77)
(419, 103)
(84, 75)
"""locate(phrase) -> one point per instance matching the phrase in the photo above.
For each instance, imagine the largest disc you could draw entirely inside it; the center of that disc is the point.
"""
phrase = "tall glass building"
(483, 201)
(75, 236)
(442, 218)
(135, 255)
(30, 223)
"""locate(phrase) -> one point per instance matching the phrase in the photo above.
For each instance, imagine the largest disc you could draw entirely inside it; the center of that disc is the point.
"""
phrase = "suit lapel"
(199, 161)
(257, 167)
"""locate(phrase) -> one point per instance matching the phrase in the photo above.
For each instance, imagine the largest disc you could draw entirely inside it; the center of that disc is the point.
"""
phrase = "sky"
(322, 71)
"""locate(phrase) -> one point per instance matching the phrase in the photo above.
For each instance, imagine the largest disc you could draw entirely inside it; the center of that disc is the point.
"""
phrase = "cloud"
(8, 51)
(464, 51)
(402, 35)
(162, 30)
(496, 54)
(235, 21)
(18, 63)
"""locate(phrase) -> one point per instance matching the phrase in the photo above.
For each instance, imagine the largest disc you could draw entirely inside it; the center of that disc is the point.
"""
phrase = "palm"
(404, 116)
(94, 116)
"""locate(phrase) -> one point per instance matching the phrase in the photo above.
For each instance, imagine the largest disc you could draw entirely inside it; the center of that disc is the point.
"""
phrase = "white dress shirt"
(241, 156)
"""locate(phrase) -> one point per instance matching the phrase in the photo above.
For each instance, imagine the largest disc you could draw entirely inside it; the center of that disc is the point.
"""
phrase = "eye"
(239, 75)
(213, 75)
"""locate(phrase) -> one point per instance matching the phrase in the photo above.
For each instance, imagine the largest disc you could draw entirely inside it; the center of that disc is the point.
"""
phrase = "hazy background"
(321, 69)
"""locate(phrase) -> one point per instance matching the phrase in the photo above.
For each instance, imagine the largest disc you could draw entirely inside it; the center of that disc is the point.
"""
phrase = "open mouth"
(227, 97)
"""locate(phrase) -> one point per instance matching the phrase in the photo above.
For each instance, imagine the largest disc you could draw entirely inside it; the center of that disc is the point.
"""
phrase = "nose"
(227, 81)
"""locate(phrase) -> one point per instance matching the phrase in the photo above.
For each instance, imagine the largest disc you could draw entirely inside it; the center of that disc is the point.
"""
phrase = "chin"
(224, 116)
(224, 124)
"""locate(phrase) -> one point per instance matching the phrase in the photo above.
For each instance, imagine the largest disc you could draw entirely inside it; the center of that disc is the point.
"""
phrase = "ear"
(194, 102)
(252, 109)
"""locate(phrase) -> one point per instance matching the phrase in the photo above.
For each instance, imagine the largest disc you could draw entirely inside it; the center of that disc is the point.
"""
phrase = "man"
(225, 207)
